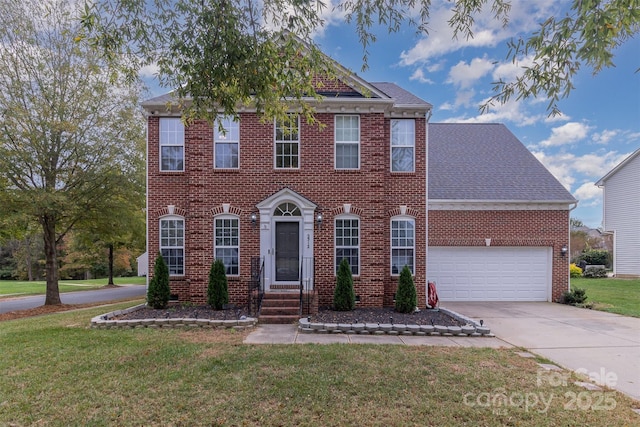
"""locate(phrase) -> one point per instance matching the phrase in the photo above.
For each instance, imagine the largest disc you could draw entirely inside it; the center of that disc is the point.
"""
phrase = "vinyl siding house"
(282, 203)
(621, 214)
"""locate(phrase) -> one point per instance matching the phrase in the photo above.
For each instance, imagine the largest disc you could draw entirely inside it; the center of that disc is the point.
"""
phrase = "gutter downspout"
(426, 208)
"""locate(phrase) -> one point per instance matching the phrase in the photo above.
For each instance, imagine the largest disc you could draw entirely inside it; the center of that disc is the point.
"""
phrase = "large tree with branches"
(223, 53)
(67, 150)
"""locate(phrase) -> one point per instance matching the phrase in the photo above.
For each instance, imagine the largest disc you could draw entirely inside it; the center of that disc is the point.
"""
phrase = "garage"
(490, 273)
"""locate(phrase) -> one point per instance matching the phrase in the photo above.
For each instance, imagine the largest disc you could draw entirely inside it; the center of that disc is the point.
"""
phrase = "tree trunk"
(110, 265)
(51, 256)
(29, 263)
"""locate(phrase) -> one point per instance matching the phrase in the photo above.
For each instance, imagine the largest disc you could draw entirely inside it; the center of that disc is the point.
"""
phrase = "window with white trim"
(227, 243)
(403, 141)
(287, 142)
(171, 135)
(226, 141)
(347, 141)
(172, 244)
(347, 235)
(403, 231)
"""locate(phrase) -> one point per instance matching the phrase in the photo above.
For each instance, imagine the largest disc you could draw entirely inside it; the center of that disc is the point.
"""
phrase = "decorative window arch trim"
(227, 208)
(169, 211)
(408, 212)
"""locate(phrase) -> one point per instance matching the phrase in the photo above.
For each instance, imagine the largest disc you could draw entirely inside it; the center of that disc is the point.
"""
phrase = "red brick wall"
(372, 190)
(549, 228)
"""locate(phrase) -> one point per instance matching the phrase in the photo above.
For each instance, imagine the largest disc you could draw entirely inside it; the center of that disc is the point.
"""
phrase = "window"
(402, 245)
(347, 234)
(226, 143)
(172, 244)
(287, 142)
(171, 144)
(347, 138)
(403, 137)
(227, 243)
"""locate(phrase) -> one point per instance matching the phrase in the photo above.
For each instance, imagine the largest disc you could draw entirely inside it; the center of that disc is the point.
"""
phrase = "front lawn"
(58, 371)
(621, 296)
(24, 288)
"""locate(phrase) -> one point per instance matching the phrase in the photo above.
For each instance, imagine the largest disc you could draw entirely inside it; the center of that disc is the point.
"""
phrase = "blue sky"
(600, 124)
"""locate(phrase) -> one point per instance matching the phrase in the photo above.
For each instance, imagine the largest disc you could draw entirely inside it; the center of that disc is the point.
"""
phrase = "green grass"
(24, 288)
(57, 371)
(621, 296)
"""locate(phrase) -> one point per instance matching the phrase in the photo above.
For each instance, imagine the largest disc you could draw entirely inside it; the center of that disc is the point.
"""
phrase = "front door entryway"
(287, 251)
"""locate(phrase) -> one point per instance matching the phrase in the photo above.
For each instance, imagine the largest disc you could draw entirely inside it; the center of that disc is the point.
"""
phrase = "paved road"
(79, 297)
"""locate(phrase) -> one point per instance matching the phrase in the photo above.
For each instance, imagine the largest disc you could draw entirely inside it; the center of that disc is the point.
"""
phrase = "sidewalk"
(289, 334)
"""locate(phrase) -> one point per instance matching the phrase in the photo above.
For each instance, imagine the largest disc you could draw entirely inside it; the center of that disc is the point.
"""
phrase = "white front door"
(287, 222)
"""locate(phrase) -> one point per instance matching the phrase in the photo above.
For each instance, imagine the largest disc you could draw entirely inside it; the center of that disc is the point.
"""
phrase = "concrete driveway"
(604, 346)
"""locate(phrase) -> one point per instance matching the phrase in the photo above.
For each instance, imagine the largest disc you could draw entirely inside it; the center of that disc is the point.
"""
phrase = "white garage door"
(490, 273)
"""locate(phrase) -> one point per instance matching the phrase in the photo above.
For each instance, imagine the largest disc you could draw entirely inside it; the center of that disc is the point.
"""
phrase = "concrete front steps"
(280, 308)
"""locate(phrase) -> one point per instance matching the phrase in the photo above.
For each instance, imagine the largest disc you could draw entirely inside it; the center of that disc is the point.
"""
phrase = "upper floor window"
(172, 244)
(171, 144)
(403, 138)
(287, 142)
(226, 139)
(227, 243)
(403, 232)
(347, 234)
(347, 139)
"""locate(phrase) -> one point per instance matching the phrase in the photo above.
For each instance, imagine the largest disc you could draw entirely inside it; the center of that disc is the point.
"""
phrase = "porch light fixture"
(319, 219)
(254, 218)
(564, 250)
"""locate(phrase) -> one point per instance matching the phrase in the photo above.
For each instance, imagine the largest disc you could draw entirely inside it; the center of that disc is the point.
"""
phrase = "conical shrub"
(159, 293)
(217, 291)
(344, 298)
(406, 297)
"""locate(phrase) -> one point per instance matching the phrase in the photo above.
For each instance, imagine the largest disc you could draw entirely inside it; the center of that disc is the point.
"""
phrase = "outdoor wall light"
(254, 218)
(319, 220)
(564, 250)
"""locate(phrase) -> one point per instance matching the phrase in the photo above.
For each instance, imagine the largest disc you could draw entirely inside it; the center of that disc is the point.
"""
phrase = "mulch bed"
(359, 315)
(387, 315)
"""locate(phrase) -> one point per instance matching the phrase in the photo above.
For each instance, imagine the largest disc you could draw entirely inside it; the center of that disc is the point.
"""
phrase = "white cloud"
(569, 168)
(588, 194)
(149, 71)
(465, 75)
(566, 134)
(512, 111)
(605, 136)
(418, 75)
(487, 31)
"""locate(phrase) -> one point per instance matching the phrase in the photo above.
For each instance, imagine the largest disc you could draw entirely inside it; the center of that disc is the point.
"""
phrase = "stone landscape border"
(108, 321)
(471, 329)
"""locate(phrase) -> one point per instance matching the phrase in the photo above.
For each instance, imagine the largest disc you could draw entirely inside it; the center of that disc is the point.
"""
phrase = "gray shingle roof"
(401, 96)
(487, 162)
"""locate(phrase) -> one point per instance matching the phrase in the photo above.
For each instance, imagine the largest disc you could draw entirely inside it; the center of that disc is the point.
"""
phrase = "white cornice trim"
(498, 205)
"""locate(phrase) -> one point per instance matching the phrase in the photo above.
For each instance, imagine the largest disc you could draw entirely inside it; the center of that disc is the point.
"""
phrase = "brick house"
(282, 203)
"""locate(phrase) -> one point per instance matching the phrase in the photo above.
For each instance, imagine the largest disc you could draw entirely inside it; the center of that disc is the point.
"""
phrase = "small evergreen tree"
(344, 297)
(158, 293)
(406, 297)
(217, 292)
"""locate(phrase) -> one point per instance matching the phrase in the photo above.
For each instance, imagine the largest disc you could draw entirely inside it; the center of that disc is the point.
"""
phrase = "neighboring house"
(621, 214)
(282, 203)
(143, 264)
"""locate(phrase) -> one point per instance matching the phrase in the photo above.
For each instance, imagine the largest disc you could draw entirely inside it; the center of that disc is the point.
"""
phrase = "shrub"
(575, 271)
(158, 293)
(574, 297)
(595, 257)
(217, 291)
(594, 272)
(406, 297)
(344, 297)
